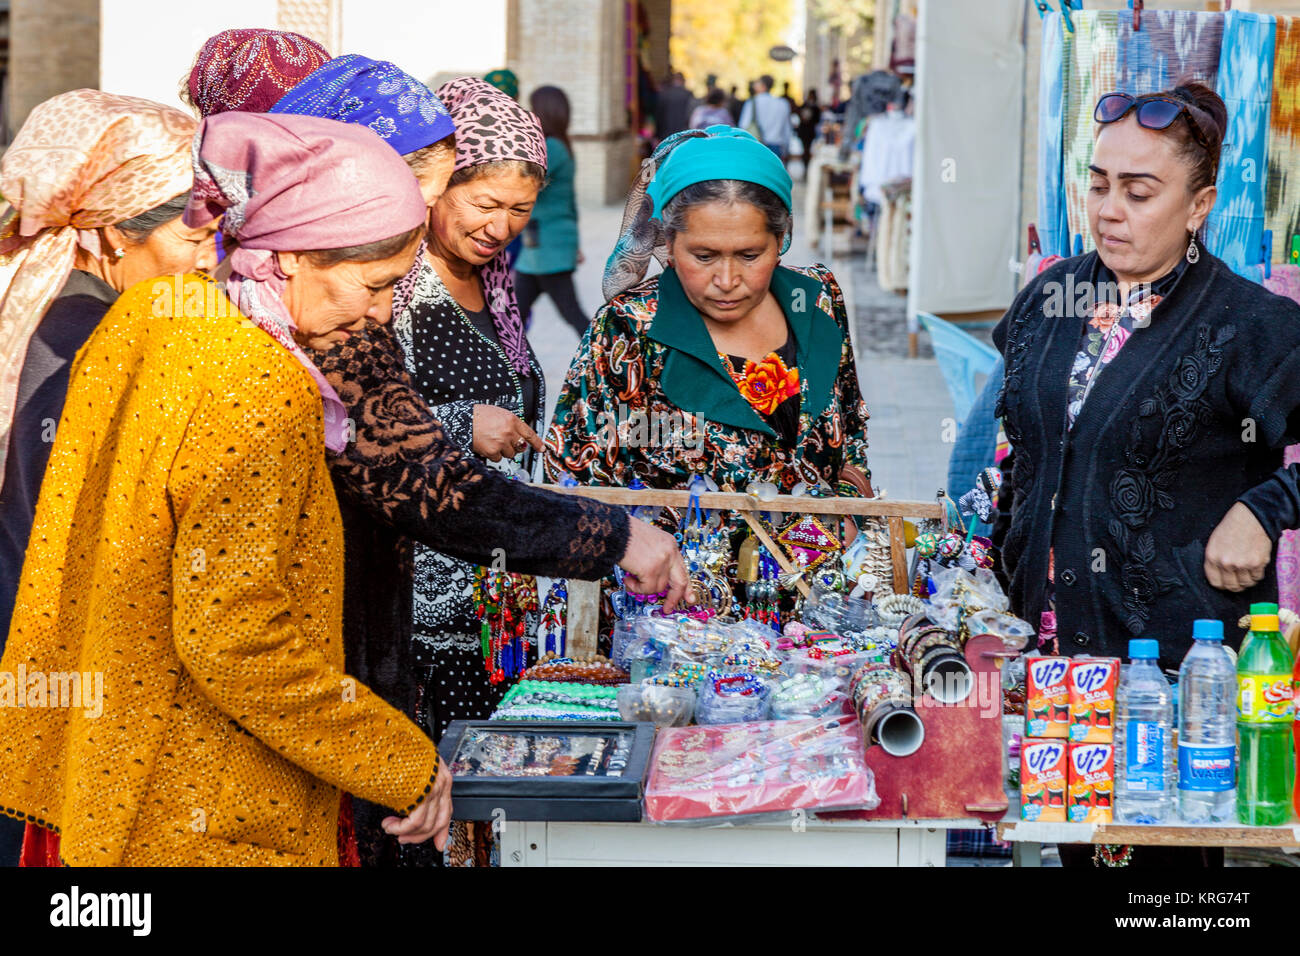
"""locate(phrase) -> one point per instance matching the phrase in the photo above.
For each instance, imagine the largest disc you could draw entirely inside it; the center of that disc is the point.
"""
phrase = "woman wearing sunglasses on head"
(1148, 423)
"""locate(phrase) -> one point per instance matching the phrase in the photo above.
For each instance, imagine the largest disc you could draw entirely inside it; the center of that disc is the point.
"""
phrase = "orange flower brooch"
(766, 384)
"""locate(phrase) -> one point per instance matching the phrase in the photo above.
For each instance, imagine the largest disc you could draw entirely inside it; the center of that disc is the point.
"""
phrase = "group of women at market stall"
(260, 376)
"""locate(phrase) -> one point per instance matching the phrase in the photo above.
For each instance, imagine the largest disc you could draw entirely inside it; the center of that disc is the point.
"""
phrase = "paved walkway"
(910, 409)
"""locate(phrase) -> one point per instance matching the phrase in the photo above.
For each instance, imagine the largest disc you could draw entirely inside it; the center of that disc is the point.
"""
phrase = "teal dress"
(551, 236)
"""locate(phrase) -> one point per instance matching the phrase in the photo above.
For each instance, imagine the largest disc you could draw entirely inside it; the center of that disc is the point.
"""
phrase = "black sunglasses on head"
(1154, 111)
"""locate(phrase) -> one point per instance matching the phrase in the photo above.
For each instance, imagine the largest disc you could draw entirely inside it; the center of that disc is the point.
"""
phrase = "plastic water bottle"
(1265, 713)
(1207, 729)
(1144, 785)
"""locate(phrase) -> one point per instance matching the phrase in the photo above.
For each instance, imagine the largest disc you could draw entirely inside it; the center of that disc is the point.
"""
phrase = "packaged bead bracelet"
(683, 675)
(806, 696)
(726, 698)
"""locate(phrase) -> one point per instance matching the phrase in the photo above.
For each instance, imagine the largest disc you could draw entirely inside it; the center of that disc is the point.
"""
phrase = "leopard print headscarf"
(490, 128)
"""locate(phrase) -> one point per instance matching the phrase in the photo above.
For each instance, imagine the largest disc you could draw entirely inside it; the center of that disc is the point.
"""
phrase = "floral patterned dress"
(649, 397)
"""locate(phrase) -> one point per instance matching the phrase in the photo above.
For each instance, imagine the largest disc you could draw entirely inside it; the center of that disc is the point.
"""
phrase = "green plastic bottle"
(1261, 607)
(1265, 714)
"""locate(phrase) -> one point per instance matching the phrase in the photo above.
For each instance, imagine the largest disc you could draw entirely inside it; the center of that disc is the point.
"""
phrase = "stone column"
(660, 15)
(319, 20)
(53, 48)
(580, 46)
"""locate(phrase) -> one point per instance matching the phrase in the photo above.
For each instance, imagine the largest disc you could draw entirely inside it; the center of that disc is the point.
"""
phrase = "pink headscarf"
(288, 183)
(84, 159)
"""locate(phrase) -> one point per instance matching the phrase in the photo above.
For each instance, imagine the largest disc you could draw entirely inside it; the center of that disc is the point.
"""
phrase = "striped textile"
(1109, 55)
(1235, 228)
(1172, 46)
(1089, 73)
(1282, 192)
(1053, 229)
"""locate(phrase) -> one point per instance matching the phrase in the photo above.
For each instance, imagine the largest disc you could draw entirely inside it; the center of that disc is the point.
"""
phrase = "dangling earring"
(1193, 253)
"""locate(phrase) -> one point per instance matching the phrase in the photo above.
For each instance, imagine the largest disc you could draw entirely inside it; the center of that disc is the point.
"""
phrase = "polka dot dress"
(455, 359)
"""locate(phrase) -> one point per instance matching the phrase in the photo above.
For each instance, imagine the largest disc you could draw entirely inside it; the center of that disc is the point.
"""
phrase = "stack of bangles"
(894, 609)
(874, 683)
(917, 638)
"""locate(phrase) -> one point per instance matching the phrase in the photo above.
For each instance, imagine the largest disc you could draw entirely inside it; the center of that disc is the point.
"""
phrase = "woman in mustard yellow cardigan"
(186, 559)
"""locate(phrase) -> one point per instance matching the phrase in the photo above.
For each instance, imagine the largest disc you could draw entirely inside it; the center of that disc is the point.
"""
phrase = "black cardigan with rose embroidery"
(1190, 417)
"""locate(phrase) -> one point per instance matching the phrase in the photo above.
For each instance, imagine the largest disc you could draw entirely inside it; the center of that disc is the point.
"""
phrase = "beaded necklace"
(502, 601)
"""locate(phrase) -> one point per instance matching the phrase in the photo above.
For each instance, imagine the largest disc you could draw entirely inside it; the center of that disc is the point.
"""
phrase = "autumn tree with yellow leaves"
(731, 38)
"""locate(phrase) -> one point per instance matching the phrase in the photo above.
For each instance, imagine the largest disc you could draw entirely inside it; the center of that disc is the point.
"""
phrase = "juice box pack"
(1047, 697)
(1093, 681)
(1043, 780)
(1091, 783)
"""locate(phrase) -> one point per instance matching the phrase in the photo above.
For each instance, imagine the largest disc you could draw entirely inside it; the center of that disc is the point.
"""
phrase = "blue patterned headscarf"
(642, 233)
(373, 93)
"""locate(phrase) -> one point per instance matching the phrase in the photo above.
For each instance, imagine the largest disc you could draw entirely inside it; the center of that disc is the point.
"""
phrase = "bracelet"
(894, 609)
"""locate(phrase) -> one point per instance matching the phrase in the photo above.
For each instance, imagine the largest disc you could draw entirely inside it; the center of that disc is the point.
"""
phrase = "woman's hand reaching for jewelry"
(653, 563)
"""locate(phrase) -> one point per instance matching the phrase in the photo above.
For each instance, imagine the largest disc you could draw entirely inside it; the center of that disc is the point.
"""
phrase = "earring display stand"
(583, 619)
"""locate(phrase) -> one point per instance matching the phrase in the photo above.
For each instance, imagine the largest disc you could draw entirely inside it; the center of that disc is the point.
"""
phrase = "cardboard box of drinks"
(1071, 698)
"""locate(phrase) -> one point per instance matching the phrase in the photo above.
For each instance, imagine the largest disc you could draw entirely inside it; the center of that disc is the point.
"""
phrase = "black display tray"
(481, 790)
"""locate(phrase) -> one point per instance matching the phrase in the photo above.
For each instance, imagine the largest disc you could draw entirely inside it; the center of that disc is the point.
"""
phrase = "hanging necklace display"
(554, 619)
(503, 602)
(706, 550)
(763, 595)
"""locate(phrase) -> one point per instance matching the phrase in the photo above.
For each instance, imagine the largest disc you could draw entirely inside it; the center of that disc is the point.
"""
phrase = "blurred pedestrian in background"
(713, 112)
(769, 116)
(550, 253)
(734, 105)
(504, 80)
(810, 117)
(673, 111)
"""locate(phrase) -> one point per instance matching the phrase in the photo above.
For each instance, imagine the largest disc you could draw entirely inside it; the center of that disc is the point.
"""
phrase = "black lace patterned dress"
(403, 482)
(456, 361)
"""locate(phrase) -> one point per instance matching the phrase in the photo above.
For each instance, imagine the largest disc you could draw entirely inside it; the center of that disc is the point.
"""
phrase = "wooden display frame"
(584, 596)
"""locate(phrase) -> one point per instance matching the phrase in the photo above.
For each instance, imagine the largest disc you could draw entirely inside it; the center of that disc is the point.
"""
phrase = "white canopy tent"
(967, 180)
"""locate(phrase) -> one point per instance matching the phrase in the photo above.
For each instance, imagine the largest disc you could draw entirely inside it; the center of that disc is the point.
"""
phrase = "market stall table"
(1027, 838)
(962, 747)
(802, 841)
